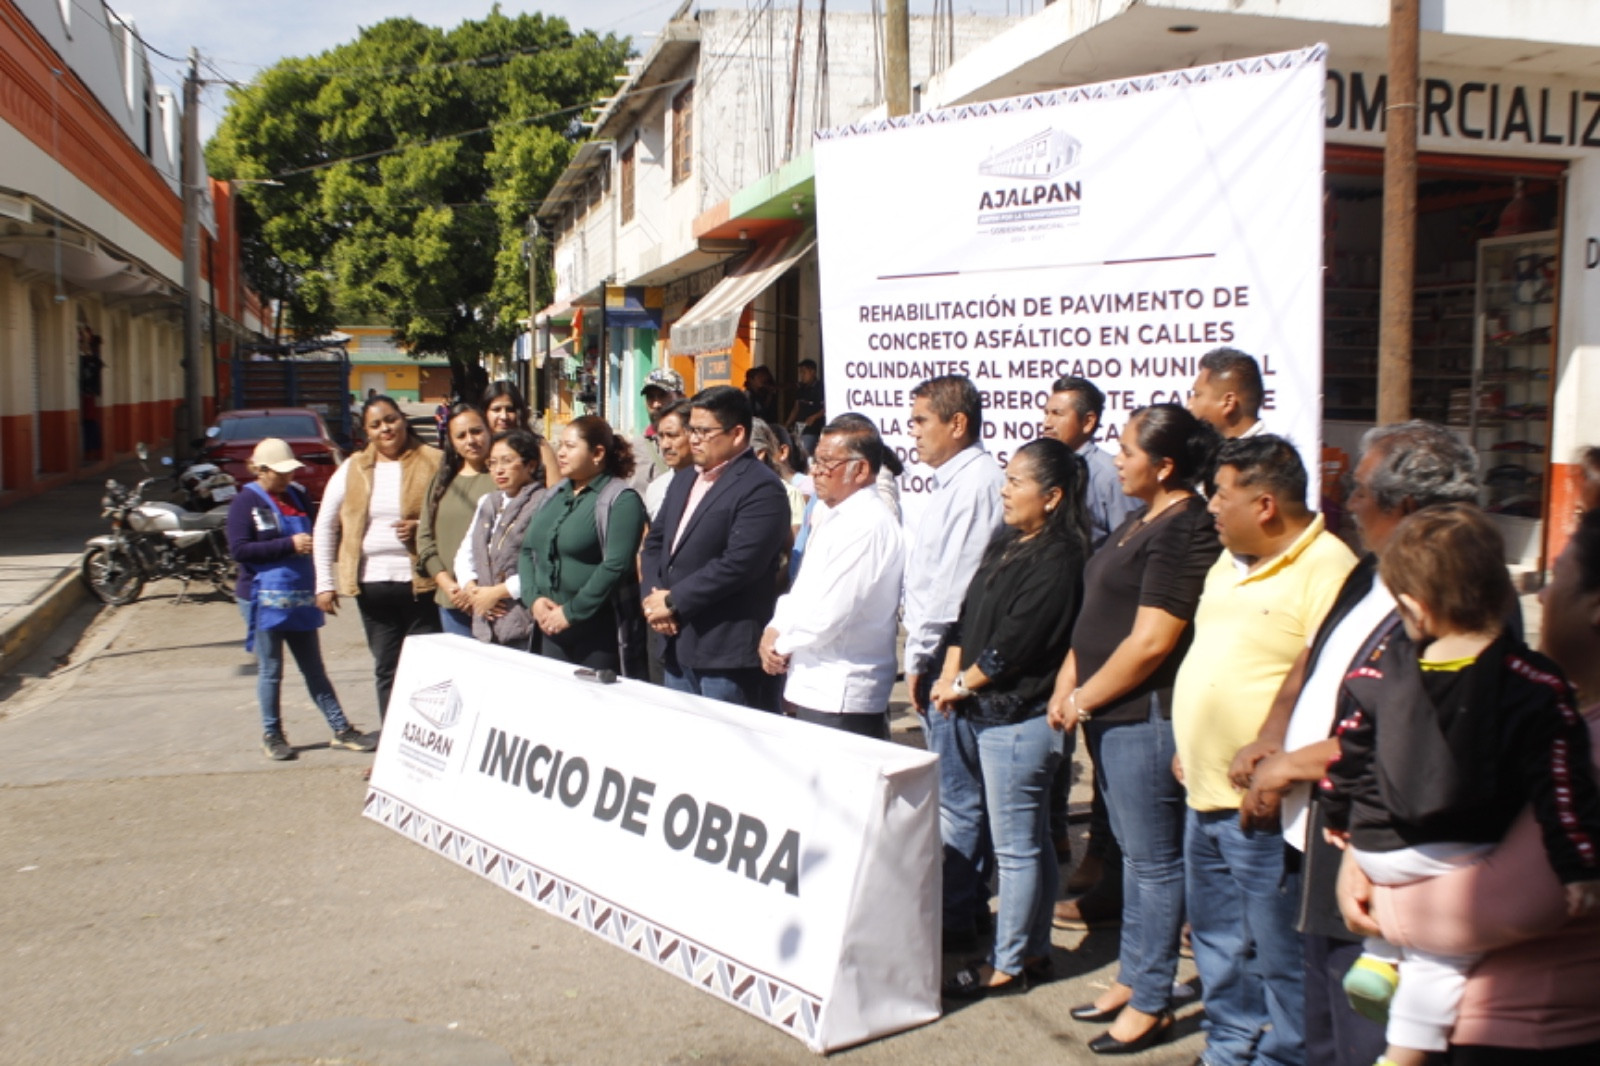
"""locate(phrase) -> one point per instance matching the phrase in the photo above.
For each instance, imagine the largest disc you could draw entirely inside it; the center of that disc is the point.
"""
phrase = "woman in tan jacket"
(365, 542)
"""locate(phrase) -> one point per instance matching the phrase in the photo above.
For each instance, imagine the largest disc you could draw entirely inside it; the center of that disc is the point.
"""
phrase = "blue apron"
(284, 594)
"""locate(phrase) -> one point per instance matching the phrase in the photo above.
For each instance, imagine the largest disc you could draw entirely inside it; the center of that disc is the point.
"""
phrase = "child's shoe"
(1370, 985)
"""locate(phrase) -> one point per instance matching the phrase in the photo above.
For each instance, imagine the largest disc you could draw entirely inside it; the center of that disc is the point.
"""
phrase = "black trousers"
(1335, 1034)
(391, 612)
(875, 726)
(591, 643)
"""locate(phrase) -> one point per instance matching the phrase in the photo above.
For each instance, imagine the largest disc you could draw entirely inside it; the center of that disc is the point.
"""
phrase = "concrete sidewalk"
(41, 546)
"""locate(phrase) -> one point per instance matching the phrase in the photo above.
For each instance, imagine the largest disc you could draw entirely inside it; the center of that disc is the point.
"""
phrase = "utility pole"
(1399, 216)
(897, 57)
(193, 173)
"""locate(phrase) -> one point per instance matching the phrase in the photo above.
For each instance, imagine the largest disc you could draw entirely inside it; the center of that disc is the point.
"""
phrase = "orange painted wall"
(86, 140)
(1565, 481)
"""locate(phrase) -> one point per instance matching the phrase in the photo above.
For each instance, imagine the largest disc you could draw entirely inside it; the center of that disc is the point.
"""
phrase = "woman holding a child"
(1531, 997)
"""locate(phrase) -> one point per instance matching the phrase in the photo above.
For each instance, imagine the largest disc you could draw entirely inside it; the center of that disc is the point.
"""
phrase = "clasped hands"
(661, 618)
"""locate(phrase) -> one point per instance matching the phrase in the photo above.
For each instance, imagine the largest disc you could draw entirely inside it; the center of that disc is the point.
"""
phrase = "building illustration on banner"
(439, 705)
(1044, 155)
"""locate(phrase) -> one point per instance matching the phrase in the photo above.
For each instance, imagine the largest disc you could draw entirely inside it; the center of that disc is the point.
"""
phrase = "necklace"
(1151, 516)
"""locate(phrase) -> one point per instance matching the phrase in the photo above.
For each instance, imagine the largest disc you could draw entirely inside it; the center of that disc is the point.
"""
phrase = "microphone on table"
(599, 677)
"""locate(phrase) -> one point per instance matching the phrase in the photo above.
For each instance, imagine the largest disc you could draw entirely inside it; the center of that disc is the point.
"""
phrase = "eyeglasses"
(826, 468)
(702, 432)
(505, 464)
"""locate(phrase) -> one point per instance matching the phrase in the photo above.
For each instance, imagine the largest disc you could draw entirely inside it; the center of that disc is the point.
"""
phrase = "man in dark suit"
(711, 557)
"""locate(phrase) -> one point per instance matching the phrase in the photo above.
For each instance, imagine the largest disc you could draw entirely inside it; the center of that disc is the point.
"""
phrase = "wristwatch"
(959, 689)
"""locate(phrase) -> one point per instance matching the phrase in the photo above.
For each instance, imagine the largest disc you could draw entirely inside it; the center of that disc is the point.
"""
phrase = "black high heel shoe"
(1160, 1030)
(1088, 1012)
(969, 984)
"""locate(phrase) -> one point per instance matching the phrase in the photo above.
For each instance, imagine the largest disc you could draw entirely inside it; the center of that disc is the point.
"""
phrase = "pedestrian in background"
(711, 558)
(578, 558)
(366, 536)
(998, 673)
(805, 417)
(269, 534)
(463, 479)
(961, 516)
(487, 561)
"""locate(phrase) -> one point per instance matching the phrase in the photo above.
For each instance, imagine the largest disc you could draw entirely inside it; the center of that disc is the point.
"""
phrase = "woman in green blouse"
(578, 558)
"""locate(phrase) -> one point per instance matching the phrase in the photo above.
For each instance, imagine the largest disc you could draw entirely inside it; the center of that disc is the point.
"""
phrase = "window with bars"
(683, 135)
(627, 183)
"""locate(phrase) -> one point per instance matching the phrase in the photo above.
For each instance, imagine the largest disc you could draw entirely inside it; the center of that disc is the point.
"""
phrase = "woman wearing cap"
(366, 537)
(269, 533)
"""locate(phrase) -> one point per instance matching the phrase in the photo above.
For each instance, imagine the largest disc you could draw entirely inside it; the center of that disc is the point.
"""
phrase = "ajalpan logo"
(1038, 159)
(439, 705)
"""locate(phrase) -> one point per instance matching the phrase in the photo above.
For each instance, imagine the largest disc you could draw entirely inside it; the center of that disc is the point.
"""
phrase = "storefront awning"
(712, 324)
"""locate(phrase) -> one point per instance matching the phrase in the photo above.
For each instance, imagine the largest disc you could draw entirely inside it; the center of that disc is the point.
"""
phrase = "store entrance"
(1483, 317)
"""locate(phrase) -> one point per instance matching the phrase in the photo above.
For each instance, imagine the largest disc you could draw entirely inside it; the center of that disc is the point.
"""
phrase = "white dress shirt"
(944, 551)
(838, 623)
(1316, 711)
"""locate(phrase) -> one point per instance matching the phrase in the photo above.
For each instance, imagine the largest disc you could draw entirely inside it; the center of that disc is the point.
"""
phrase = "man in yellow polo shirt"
(1263, 599)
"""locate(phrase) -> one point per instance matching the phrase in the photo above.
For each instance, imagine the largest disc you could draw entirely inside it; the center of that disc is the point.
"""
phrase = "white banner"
(1115, 232)
(789, 869)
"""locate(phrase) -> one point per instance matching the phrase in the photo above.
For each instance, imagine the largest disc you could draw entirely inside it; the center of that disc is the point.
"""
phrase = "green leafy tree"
(409, 162)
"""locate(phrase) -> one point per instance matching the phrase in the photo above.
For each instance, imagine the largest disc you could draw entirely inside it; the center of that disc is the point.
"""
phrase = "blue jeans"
(963, 823)
(1146, 807)
(1242, 908)
(457, 623)
(307, 650)
(1019, 761)
(745, 687)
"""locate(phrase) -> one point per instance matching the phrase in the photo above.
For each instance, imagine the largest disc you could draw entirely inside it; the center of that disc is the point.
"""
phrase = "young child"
(1448, 729)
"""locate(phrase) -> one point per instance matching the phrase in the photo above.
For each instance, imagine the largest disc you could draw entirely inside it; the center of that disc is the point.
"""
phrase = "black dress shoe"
(1088, 1012)
(1160, 1030)
(968, 984)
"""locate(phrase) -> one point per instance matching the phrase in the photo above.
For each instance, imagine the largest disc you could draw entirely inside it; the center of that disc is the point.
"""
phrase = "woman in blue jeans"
(269, 533)
(998, 673)
(1140, 593)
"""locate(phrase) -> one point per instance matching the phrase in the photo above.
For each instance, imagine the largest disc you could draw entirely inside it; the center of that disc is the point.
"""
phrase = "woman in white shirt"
(365, 543)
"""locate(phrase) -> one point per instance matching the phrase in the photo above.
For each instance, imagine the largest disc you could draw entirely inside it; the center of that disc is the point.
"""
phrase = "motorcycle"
(204, 485)
(155, 539)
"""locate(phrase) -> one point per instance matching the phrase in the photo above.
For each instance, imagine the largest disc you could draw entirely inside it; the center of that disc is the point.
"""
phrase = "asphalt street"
(171, 896)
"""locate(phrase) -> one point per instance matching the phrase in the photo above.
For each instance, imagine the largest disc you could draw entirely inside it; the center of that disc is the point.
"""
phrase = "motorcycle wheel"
(225, 577)
(113, 575)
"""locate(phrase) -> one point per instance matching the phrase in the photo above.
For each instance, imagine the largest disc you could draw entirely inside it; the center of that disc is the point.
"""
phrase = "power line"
(527, 120)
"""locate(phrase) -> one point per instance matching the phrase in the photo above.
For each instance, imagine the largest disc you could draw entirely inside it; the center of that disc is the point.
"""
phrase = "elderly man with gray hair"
(1403, 468)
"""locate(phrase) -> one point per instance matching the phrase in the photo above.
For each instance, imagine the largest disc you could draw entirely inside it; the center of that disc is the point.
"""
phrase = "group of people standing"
(1218, 648)
(1178, 603)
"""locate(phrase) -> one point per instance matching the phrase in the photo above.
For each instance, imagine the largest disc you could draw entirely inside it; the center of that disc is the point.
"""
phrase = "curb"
(65, 594)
